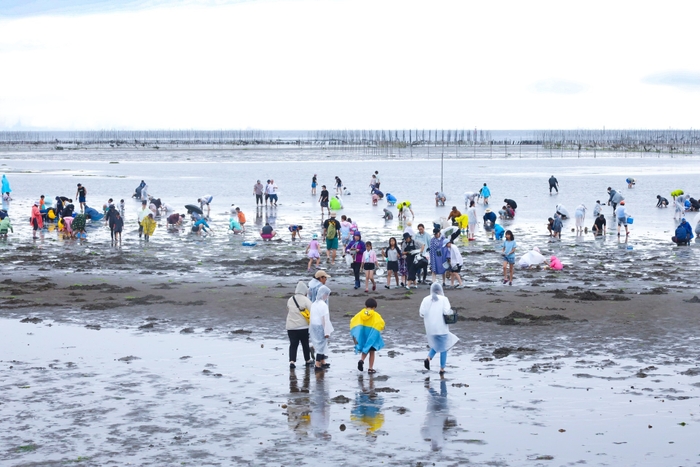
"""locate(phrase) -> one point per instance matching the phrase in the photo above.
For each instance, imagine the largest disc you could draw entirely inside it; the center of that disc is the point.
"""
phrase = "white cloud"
(347, 64)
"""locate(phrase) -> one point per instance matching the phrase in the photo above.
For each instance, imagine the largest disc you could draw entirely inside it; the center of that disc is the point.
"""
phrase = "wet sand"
(150, 370)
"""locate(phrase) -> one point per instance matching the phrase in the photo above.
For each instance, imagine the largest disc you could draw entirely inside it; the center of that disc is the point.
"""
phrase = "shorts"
(621, 221)
(273, 198)
(392, 266)
(314, 254)
(510, 259)
(324, 204)
(456, 268)
(194, 228)
(266, 236)
(81, 199)
(369, 266)
(313, 185)
(332, 243)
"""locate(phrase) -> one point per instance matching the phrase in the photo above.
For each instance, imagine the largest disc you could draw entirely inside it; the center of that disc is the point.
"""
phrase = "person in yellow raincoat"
(149, 226)
(366, 330)
(463, 222)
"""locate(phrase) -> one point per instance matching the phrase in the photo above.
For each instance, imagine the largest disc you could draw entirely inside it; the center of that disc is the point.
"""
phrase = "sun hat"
(333, 214)
(320, 274)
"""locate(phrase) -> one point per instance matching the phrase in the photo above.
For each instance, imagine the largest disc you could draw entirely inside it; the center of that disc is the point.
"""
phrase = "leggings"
(295, 337)
(356, 270)
(443, 357)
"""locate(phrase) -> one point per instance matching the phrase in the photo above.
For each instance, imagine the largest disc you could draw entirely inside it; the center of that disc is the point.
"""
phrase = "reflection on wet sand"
(367, 409)
(299, 405)
(437, 417)
(320, 408)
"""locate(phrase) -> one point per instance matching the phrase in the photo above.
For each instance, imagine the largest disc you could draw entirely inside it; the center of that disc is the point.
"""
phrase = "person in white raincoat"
(580, 216)
(440, 339)
(320, 327)
(531, 258)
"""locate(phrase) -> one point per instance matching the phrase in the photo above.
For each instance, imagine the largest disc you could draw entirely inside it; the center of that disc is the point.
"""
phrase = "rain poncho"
(5, 226)
(531, 258)
(485, 192)
(314, 285)
(366, 328)
(562, 211)
(148, 223)
(36, 216)
(580, 215)
(555, 264)
(675, 193)
(463, 220)
(432, 309)
(6, 185)
(320, 321)
(368, 410)
(336, 204)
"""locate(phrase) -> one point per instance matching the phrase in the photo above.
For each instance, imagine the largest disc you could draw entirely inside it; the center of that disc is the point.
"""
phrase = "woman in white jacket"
(320, 327)
(440, 339)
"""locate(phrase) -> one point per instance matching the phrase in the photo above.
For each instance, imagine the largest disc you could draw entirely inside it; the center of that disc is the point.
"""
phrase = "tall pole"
(442, 166)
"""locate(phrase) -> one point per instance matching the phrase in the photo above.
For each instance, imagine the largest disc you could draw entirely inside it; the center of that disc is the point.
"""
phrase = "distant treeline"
(660, 141)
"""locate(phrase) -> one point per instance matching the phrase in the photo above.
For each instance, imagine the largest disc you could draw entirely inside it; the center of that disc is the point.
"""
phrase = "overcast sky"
(310, 64)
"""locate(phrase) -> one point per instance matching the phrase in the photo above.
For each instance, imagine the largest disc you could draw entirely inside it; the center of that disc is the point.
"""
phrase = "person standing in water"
(440, 339)
(366, 328)
(320, 327)
(553, 183)
(323, 200)
(485, 193)
(314, 183)
(258, 189)
(81, 194)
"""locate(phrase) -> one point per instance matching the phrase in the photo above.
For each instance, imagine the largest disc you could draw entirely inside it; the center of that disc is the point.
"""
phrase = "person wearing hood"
(320, 327)
(440, 339)
(356, 248)
(5, 226)
(336, 203)
(36, 220)
(298, 316)
(438, 256)
(6, 185)
(555, 264)
(580, 216)
(149, 226)
(683, 234)
(387, 215)
(679, 207)
(531, 259)
(485, 193)
(366, 330)
(390, 199)
(315, 283)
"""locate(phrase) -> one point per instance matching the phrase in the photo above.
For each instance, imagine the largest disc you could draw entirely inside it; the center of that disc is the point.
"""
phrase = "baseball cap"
(320, 274)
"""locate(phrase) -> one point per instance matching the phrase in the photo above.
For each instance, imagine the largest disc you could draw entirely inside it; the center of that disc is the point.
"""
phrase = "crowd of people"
(309, 324)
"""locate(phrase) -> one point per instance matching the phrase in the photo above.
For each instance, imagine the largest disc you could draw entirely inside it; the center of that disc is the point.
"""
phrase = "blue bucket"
(630, 220)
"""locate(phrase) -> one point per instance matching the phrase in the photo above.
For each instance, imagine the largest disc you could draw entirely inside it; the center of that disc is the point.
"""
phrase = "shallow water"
(179, 181)
(70, 395)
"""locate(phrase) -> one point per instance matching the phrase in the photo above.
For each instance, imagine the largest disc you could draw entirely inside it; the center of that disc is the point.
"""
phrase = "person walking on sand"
(392, 254)
(118, 227)
(356, 248)
(314, 183)
(313, 252)
(331, 231)
(319, 279)
(298, 316)
(433, 308)
(366, 330)
(81, 194)
(508, 254)
(320, 327)
(437, 255)
(149, 226)
(369, 264)
(454, 257)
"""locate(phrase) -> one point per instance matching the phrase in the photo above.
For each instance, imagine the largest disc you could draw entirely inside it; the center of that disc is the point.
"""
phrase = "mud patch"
(340, 399)
(518, 318)
(503, 352)
(32, 320)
